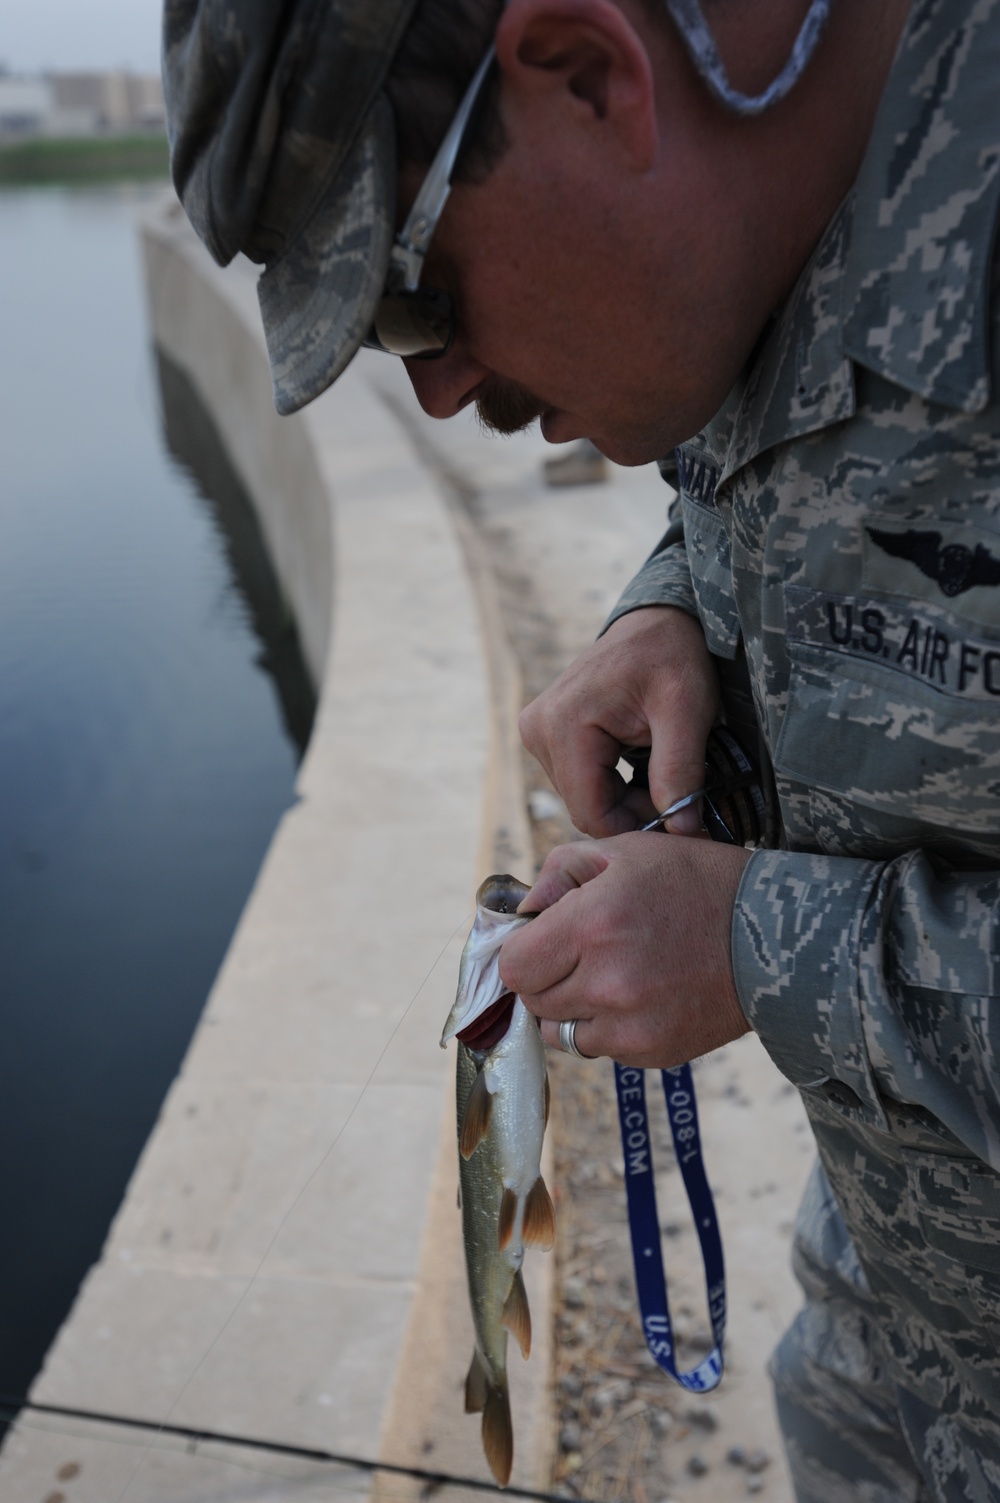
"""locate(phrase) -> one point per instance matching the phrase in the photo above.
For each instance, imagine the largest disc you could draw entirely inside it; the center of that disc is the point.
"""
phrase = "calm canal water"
(153, 708)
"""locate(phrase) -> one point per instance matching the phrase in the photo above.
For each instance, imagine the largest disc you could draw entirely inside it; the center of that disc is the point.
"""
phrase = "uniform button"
(841, 1095)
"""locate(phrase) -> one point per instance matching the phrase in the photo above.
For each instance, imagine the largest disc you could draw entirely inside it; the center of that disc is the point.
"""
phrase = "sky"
(36, 35)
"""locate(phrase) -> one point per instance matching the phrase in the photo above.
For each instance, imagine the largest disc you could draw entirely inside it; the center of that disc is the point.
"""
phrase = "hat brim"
(319, 300)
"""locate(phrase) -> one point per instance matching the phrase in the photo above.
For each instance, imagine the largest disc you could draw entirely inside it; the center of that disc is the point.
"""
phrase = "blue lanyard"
(650, 1281)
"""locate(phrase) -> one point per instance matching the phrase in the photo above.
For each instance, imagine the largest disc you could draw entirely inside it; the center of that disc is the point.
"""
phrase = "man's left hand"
(633, 941)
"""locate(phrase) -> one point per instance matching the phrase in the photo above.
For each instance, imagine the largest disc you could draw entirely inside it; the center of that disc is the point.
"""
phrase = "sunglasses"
(412, 320)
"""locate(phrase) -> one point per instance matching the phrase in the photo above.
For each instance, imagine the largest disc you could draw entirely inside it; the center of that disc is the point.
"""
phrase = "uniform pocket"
(895, 711)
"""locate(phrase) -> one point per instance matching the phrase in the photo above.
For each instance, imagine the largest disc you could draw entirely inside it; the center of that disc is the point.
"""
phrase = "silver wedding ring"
(567, 1038)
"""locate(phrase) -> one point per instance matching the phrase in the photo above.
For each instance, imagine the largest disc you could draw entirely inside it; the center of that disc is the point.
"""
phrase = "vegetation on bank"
(79, 159)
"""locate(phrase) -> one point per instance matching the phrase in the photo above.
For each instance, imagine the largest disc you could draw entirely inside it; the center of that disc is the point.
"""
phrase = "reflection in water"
(194, 441)
(152, 712)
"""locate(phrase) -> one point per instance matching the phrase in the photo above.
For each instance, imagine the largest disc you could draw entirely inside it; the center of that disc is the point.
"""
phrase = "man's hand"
(633, 940)
(648, 681)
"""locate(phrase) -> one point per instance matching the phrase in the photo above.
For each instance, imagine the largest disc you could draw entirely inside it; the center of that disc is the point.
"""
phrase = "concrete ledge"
(287, 1263)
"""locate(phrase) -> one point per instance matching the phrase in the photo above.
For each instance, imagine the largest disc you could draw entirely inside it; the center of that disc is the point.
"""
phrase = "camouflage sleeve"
(866, 979)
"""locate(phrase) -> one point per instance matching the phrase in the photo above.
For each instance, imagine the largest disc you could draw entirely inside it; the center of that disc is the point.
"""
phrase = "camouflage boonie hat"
(282, 146)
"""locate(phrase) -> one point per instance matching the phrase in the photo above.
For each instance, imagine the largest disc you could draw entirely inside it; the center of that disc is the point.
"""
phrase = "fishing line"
(9, 1404)
(336, 1481)
(302, 1190)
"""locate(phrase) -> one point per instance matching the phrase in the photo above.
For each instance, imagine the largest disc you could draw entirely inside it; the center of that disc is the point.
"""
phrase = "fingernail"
(685, 821)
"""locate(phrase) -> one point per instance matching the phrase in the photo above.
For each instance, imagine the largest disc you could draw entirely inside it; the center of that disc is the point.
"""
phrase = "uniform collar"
(899, 282)
(800, 381)
(916, 284)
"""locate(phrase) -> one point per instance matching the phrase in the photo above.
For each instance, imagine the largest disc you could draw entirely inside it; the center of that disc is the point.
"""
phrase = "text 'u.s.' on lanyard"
(644, 1222)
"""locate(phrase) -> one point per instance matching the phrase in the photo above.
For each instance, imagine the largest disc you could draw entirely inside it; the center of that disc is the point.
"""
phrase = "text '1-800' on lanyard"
(644, 1223)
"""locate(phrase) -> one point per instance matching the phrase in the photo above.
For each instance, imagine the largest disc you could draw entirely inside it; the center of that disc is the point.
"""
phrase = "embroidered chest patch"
(935, 562)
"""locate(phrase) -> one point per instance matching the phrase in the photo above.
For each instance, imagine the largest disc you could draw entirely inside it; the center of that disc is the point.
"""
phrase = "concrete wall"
(286, 1263)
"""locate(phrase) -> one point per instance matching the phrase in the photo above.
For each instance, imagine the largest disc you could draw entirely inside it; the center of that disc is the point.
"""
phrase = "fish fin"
(477, 1385)
(539, 1217)
(498, 1433)
(508, 1216)
(476, 1121)
(517, 1316)
(548, 1098)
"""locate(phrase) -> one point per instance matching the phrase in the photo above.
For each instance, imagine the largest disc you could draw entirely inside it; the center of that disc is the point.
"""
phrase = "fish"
(502, 1099)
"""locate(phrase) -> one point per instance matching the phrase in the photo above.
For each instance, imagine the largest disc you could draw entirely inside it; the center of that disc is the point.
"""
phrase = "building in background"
(25, 105)
(144, 92)
(80, 104)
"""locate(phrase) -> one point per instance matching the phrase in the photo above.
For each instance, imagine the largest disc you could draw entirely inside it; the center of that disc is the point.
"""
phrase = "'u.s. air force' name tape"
(644, 1222)
(923, 644)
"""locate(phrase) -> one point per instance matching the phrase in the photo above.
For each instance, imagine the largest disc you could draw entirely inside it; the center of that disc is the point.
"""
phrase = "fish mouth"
(502, 893)
(486, 1031)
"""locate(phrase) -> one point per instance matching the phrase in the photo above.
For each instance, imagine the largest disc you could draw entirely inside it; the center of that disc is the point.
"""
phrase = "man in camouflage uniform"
(836, 546)
(841, 525)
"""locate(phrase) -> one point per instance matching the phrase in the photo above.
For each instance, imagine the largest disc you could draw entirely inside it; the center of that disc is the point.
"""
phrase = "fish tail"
(483, 1394)
(498, 1432)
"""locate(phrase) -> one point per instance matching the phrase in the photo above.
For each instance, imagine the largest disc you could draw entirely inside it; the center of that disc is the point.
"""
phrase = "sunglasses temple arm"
(414, 238)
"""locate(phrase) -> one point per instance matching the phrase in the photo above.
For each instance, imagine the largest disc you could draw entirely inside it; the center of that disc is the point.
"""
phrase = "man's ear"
(585, 58)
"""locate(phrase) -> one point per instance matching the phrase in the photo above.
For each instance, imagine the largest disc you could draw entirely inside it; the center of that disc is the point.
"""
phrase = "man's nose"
(445, 385)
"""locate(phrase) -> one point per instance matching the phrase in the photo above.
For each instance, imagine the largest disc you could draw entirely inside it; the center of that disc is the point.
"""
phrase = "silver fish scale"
(490, 1271)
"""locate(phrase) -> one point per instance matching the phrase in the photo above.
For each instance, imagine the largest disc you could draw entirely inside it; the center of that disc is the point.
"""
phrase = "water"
(153, 707)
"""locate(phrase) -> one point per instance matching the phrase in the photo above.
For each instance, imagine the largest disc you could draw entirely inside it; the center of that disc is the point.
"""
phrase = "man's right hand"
(648, 681)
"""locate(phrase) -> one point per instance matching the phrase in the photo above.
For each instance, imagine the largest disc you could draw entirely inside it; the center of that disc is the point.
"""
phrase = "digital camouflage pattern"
(283, 147)
(841, 521)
